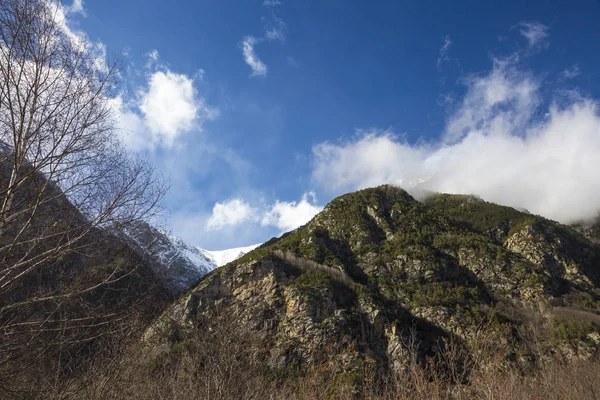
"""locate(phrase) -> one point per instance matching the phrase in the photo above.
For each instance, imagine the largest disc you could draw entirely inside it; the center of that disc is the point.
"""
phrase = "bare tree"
(65, 179)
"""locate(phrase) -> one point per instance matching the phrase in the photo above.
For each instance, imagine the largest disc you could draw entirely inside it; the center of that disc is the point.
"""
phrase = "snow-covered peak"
(222, 257)
(177, 262)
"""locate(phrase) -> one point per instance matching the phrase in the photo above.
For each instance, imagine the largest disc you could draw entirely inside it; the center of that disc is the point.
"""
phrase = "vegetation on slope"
(390, 283)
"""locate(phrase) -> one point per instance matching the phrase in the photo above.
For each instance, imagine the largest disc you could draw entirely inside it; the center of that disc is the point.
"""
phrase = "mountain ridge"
(376, 267)
(179, 263)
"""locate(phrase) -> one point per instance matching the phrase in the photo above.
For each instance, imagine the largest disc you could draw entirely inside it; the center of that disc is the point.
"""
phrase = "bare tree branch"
(66, 183)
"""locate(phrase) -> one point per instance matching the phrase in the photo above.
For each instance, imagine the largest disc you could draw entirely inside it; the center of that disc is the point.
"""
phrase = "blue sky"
(260, 112)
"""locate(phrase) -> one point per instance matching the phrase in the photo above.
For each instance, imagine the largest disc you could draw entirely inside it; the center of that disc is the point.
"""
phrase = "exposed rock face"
(380, 277)
(590, 229)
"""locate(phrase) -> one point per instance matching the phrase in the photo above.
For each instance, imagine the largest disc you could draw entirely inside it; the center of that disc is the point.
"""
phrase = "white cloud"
(535, 32)
(257, 66)
(290, 215)
(276, 30)
(59, 13)
(443, 56)
(571, 72)
(506, 146)
(169, 105)
(100, 60)
(96, 50)
(271, 3)
(76, 8)
(230, 213)
(152, 57)
(130, 125)
(283, 215)
(505, 98)
(166, 107)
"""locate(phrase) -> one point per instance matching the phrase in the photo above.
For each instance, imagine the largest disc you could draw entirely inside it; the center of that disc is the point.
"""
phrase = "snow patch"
(222, 257)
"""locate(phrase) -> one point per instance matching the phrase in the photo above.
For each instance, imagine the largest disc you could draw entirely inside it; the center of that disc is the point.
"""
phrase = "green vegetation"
(376, 261)
(481, 216)
(571, 331)
(311, 280)
(440, 294)
(591, 303)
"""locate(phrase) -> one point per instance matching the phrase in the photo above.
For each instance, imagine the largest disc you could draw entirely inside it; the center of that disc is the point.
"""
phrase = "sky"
(260, 112)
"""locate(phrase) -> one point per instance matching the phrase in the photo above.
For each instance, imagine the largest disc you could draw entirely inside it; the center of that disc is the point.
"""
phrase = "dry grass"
(225, 362)
(226, 365)
(576, 380)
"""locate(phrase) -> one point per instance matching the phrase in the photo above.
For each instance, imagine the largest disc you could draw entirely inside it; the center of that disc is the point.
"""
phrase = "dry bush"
(222, 363)
(228, 379)
(228, 363)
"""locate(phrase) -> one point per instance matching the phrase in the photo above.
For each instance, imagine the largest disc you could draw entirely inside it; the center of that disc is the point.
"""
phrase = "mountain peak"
(177, 262)
(376, 264)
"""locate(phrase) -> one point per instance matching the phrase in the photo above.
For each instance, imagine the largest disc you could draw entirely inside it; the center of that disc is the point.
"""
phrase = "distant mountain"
(177, 262)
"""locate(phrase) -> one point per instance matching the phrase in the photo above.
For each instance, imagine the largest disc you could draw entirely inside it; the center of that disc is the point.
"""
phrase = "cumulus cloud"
(169, 105)
(443, 55)
(166, 107)
(287, 216)
(271, 3)
(230, 213)
(284, 215)
(258, 67)
(504, 99)
(502, 143)
(535, 32)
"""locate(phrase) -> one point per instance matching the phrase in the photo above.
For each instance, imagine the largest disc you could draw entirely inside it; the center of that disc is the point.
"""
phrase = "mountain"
(379, 280)
(73, 293)
(178, 263)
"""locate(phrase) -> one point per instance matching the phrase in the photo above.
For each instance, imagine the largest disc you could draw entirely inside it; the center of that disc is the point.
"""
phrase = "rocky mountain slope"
(179, 264)
(590, 229)
(378, 279)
